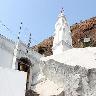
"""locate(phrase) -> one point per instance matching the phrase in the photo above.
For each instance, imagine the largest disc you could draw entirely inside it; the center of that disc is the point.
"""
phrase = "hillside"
(83, 35)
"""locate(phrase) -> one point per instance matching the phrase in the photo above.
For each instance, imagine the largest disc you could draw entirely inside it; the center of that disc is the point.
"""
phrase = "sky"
(39, 16)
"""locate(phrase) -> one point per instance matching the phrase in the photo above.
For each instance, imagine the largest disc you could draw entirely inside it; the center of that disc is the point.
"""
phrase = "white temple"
(63, 42)
(62, 38)
(51, 75)
(63, 69)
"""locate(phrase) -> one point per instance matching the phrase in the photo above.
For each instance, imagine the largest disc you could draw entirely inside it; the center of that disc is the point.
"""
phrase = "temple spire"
(62, 10)
(62, 38)
(16, 49)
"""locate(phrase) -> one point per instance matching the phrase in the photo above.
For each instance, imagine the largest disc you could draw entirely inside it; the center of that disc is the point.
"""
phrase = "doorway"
(24, 64)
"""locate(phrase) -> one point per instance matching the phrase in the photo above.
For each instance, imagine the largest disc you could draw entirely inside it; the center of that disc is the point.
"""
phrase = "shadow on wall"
(61, 94)
(31, 93)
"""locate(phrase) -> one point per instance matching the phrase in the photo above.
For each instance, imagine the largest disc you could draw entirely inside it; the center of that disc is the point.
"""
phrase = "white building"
(62, 38)
(13, 55)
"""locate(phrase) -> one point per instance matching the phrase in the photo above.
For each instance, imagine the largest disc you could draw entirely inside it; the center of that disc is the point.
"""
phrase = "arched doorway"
(24, 64)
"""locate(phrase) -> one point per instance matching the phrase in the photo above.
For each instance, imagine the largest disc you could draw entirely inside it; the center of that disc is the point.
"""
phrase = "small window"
(87, 42)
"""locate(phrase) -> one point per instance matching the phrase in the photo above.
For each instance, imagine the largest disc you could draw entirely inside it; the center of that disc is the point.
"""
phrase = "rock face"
(73, 80)
(83, 35)
(85, 29)
(45, 47)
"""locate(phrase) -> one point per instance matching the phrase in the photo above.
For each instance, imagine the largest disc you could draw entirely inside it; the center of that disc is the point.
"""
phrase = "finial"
(20, 30)
(29, 40)
(62, 10)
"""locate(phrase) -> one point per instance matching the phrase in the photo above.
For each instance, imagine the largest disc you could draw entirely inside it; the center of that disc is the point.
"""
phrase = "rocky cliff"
(83, 35)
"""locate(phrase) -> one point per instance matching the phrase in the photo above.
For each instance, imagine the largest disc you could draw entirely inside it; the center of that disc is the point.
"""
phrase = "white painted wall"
(5, 58)
(84, 57)
(61, 48)
(12, 82)
(7, 52)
